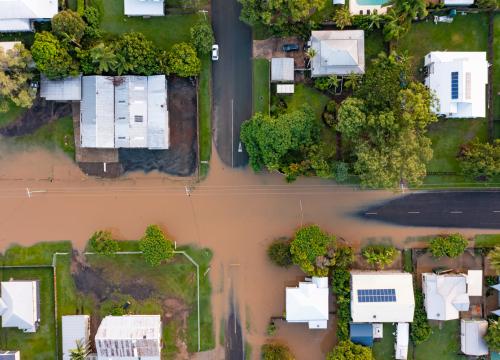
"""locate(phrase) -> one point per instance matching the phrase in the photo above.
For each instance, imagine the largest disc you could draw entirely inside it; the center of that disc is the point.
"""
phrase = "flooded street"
(45, 197)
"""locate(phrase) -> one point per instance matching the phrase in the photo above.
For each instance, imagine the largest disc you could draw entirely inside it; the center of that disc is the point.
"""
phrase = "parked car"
(215, 52)
(290, 47)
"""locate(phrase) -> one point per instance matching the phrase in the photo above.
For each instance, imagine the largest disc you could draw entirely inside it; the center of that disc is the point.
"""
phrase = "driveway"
(232, 81)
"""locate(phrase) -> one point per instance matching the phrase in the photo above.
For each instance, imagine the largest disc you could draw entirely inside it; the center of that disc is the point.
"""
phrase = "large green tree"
(481, 160)
(492, 336)
(313, 250)
(69, 26)
(494, 258)
(51, 56)
(379, 255)
(15, 77)
(202, 37)
(347, 350)
(155, 246)
(452, 245)
(183, 61)
(139, 53)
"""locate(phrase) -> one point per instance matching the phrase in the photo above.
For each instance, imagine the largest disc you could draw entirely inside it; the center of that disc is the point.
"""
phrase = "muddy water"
(234, 212)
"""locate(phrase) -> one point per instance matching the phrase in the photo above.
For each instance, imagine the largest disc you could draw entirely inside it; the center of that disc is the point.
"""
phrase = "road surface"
(232, 80)
(465, 209)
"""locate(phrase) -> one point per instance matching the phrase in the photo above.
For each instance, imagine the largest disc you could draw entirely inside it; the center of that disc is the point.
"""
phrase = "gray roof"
(158, 130)
(338, 52)
(282, 70)
(67, 89)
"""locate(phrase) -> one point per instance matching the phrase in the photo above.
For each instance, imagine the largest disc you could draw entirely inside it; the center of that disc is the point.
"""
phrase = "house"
(75, 330)
(144, 7)
(66, 89)
(339, 52)
(282, 70)
(471, 337)
(445, 295)
(10, 355)
(129, 337)
(459, 81)
(308, 303)
(124, 112)
(19, 305)
(19, 15)
(381, 296)
(361, 334)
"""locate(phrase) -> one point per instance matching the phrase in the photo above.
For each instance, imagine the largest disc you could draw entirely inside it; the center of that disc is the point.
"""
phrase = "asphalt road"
(234, 336)
(232, 81)
(465, 209)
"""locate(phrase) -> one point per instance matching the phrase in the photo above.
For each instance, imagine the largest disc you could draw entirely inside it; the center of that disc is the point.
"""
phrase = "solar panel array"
(454, 85)
(377, 295)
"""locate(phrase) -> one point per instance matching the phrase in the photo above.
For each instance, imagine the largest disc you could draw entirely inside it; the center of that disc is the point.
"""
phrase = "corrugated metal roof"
(75, 328)
(158, 130)
(67, 89)
(282, 69)
(19, 300)
(143, 7)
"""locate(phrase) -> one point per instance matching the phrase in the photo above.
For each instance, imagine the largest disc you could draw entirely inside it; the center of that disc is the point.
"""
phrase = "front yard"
(496, 73)
(261, 86)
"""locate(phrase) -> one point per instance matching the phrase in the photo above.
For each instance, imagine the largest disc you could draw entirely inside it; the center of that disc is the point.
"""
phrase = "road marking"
(496, 211)
(456, 212)
(232, 132)
(371, 213)
(413, 212)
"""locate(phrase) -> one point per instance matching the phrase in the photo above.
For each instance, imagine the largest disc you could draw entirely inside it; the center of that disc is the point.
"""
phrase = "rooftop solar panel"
(377, 295)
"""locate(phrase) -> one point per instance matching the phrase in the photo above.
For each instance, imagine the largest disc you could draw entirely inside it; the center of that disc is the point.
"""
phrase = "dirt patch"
(42, 112)
(273, 47)
(181, 158)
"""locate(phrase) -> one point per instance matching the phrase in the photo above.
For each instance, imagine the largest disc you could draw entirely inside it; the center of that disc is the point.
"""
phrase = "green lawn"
(384, 349)
(443, 344)
(374, 45)
(39, 254)
(496, 72)
(465, 33)
(306, 95)
(11, 115)
(261, 86)
(205, 115)
(487, 240)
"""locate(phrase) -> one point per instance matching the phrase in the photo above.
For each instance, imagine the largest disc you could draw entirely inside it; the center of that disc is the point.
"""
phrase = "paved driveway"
(232, 81)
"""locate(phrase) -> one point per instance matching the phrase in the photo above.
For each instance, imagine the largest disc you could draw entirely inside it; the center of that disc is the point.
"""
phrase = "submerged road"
(232, 81)
(464, 209)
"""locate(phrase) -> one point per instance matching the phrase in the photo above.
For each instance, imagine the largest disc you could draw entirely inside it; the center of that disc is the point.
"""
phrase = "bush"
(155, 246)
(92, 17)
(202, 37)
(346, 350)
(407, 261)
(341, 287)
(344, 257)
(279, 252)
(276, 351)
(102, 243)
(80, 7)
(379, 255)
(493, 336)
(68, 25)
(420, 329)
(341, 171)
(448, 245)
(271, 329)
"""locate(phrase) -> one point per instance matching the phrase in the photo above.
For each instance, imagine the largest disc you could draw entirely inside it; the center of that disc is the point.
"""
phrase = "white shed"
(471, 337)
(75, 329)
(144, 8)
(402, 336)
(475, 282)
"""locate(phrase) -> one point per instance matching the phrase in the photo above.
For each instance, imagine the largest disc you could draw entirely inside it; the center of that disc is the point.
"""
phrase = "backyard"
(443, 344)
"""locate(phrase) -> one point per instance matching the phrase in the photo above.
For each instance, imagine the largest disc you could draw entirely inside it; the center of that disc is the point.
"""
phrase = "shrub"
(344, 257)
(379, 255)
(103, 243)
(420, 329)
(341, 171)
(92, 17)
(276, 351)
(494, 258)
(493, 336)
(448, 245)
(346, 349)
(155, 246)
(271, 329)
(80, 7)
(68, 25)
(341, 287)
(202, 37)
(279, 252)
(183, 61)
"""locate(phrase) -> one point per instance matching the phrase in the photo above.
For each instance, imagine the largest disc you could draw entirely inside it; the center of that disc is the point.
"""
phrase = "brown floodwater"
(236, 213)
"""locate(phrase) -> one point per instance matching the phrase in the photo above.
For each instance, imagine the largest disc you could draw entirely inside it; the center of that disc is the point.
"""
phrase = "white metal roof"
(75, 328)
(143, 7)
(15, 15)
(400, 310)
(339, 52)
(471, 337)
(458, 2)
(19, 305)
(475, 282)
(285, 88)
(66, 89)
(471, 70)
(282, 69)
(402, 337)
(445, 295)
(158, 127)
(308, 303)
(129, 327)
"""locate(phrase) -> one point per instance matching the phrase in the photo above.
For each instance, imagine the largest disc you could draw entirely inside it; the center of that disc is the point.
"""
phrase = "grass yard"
(306, 95)
(427, 36)
(496, 72)
(374, 45)
(11, 115)
(487, 240)
(384, 348)
(261, 86)
(205, 115)
(443, 344)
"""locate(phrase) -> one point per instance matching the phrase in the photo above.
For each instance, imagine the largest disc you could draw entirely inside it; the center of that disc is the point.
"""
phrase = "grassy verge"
(407, 261)
(261, 96)
(487, 240)
(11, 114)
(496, 71)
(443, 344)
(205, 115)
(39, 254)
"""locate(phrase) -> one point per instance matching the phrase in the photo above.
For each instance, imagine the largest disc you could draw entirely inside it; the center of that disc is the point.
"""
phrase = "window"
(377, 295)
(138, 118)
(454, 85)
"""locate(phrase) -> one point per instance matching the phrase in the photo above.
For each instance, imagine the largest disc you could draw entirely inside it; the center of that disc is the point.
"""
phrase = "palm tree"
(494, 258)
(394, 29)
(81, 352)
(342, 17)
(352, 81)
(104, 57)
(121, 64)
(375, 21)
(333, 81)
(310, 53)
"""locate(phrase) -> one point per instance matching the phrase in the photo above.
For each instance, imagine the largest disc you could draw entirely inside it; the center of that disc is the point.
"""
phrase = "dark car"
(290, 47)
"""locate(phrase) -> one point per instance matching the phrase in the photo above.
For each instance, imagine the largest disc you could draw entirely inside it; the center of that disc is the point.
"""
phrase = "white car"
(215, 52)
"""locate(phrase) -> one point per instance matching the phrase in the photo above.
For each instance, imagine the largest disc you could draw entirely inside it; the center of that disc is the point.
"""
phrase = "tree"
(51, 57)
(352, 81)
(494, 258)
(313, 250)
(487, 4)
(102, 242)
(344, 257)
(420, 329)
(481, 160)
(342, 17)
(103, 58)
(68, 25)
(347, 350)
(310, 54)
(276, 351)
(448, 245)
(139, 53)
(492, 336)
(81, 352)
(92, 17)
(379, 255)
(351, 118)
(279, 252)
(202, 37)
(183, 61)
(155, 247)
(15, 78)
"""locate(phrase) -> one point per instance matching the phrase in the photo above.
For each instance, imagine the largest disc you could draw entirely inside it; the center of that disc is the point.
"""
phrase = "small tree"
(494, 258)
(139, 52)
(183, 61)
(342, 17)
(481, 160)
(346, 350)
(202, 37)
(313, 250)
(103, 243)
(81, 352)
(379, 255)
(448, 245)
(492, 337)
(155, 246)
(279, 252)
(276, 351)
(92, 17)
(68, 25)
(51, 57)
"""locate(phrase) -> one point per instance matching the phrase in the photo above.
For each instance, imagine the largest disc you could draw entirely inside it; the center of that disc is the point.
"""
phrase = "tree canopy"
(139, 53)
(276, 351)
(492, 336)
(202, 37)
(448, 245)
(155, 247)
(52, 57)
(494, 258)
(481, 160)
(379, 255)
(347, 350)
(183, 61)
(102, 242)
(69, 26)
